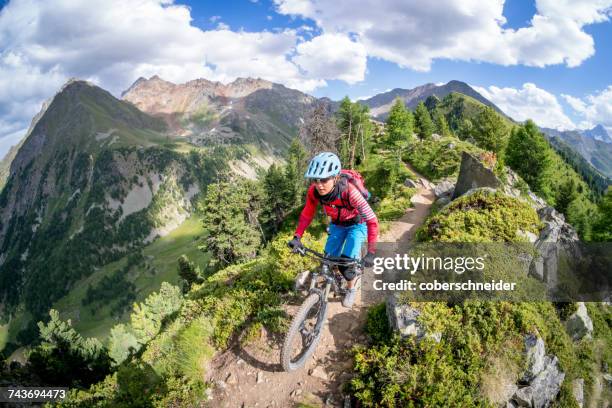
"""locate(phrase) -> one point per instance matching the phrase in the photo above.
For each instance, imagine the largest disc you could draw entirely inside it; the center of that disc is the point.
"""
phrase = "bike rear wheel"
(305, 332)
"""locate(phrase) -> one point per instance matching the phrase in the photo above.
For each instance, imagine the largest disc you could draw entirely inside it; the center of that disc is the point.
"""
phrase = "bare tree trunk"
(362, 146)
(354, 146)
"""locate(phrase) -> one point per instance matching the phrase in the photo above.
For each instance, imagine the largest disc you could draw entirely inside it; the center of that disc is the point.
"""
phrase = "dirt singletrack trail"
(252, 376)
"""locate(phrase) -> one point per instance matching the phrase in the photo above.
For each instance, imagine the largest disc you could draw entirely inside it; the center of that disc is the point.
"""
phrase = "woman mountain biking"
(352, 217)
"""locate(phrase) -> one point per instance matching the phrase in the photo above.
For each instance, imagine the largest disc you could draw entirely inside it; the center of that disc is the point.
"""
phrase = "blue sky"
(545, 60)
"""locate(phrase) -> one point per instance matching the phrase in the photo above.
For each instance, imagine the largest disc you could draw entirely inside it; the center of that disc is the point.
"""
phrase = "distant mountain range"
(381, 104)
(590, 144)
(598, 133)
(245, 111)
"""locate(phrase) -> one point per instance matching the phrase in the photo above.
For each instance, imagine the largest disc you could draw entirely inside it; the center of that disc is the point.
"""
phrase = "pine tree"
(465, 129)
(231, 237)
(297, 161)
(530, 156)
(355, 128)
(431, 103)
(441, 125)
(399, 123)
(189, 272)
(490, 131)
(122, 343)
(64, 357)
(423, 125)
(567, 193)
(147, 317)
(602, 228)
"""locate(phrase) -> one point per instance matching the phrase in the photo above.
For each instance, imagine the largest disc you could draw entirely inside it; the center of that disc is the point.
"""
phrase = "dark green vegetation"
(479, 353)
(481, 217)
(476, 128)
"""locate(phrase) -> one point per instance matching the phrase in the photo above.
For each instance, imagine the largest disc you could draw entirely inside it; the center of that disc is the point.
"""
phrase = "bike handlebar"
(334, 260)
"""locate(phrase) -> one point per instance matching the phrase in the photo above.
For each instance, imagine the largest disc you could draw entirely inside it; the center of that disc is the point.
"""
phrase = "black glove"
(368, 260)
(295, 243)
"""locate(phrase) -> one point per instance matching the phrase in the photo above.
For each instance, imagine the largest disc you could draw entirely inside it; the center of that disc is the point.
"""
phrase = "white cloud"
(595, 109)
(332, 56)
(529, 102)
(413, 33)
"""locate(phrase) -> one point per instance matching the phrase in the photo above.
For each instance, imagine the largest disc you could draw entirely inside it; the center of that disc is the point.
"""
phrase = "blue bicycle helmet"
(323, 165)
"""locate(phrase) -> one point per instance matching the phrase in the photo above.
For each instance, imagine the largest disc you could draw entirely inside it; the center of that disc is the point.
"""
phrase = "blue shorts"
(346, 241)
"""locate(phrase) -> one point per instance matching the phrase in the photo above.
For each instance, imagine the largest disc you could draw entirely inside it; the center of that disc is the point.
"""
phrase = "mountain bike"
(307, 325)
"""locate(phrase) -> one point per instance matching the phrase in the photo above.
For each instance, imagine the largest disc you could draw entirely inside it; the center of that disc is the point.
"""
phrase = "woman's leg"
(355, 237)
(335, 240)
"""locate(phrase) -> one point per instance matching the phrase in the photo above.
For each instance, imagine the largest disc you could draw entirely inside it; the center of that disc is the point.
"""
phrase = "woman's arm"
(308, 212)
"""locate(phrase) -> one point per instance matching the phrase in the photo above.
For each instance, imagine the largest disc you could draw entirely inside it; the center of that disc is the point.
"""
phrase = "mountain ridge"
(596, 152)
(246, 110)
(598, 133)
(380, 104)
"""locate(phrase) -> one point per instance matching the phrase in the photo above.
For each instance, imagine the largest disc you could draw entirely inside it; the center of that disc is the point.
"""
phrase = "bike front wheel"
(305, 332)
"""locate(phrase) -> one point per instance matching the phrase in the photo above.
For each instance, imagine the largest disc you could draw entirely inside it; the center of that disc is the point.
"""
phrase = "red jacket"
(345, 208)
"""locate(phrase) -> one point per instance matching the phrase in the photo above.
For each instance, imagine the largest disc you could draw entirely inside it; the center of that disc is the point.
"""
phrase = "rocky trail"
(251, 376)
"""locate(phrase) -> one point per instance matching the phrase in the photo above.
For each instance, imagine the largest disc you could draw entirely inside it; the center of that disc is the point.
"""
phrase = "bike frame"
(310, 336)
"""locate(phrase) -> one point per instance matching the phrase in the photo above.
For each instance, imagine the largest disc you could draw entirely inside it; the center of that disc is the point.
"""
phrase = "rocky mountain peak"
(598, 133)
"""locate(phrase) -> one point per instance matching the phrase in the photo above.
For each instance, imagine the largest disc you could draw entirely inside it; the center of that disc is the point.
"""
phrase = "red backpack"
(356, 179)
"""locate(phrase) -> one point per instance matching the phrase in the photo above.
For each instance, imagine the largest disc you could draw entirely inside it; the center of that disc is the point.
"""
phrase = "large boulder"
(534, 361)
(556, 237)
(444, 189)
(541, 380)
(474, 174)
(544, 388)
(579, 324)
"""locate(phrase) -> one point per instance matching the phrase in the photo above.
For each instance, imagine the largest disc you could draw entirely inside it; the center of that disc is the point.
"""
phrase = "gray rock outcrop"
(541, 381)
(410, 183)
(579, 324)
(404, 319)
(444, 189)
(534, 350)
(474, 174)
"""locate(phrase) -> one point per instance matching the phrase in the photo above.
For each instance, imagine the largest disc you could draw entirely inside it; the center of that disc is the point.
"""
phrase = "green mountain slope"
(95, 180)
(596, 152)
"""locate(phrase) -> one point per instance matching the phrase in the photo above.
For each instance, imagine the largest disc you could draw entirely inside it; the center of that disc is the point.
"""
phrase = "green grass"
(161, 256)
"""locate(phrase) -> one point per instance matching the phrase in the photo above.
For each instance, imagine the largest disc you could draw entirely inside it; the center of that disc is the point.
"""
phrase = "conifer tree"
(399, 123)
(441, 124)
(64, 357)
(121, 343)
(490, 131)
(423, 125)
(530, 156)
(231, 237)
